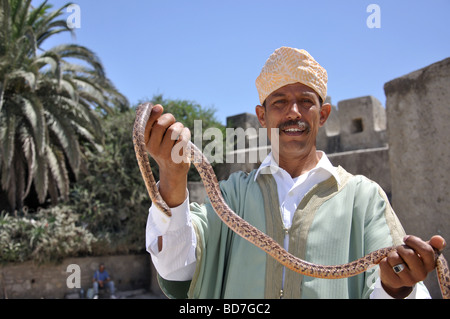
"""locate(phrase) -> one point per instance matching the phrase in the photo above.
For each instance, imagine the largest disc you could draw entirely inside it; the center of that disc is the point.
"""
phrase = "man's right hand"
(162, 133)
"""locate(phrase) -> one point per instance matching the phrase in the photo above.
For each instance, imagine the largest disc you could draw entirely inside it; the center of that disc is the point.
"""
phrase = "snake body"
(251, 233)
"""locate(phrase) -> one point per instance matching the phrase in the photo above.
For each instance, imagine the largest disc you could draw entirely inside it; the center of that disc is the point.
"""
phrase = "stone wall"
(419, 141)
(372, 163)
(31, 281)
(355, 124)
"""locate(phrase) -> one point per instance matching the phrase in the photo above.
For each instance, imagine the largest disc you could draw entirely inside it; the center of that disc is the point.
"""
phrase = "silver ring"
(398, 268)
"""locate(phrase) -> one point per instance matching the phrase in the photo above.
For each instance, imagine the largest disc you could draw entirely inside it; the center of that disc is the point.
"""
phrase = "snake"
(248, 231)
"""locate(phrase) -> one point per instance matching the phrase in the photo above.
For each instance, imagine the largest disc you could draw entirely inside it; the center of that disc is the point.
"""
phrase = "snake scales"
(249, 232)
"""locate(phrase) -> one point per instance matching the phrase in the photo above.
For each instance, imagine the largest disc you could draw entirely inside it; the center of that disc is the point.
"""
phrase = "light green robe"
(334, 224)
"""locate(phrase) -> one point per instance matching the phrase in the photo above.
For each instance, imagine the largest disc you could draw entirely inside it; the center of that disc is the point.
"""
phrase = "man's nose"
(294, 111)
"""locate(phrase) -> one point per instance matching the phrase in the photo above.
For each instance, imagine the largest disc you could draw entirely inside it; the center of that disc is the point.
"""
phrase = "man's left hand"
(410, 264)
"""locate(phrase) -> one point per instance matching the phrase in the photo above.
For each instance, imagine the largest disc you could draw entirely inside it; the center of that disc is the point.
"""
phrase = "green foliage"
(49, 235)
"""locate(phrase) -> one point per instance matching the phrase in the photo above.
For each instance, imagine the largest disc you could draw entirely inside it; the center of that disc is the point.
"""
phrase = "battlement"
(355, 124)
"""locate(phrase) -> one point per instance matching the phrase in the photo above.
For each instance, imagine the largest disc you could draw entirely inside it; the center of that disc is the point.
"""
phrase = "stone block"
(419, 148)
(373, 163)
(244, 120)
(362, 123)
(328, 139)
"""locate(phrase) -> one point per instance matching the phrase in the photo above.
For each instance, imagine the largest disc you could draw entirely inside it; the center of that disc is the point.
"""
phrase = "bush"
(49, 235)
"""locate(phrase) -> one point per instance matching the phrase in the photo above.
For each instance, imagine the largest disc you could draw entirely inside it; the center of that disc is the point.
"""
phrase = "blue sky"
(211, 52)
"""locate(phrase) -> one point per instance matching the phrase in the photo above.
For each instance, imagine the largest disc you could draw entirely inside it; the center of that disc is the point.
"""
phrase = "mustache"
(300, 124)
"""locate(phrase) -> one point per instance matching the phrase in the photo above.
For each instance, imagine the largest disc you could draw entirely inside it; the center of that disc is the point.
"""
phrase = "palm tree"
(50, 107)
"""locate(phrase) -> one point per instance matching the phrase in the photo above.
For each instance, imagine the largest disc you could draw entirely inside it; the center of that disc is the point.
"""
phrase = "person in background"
(101, 279)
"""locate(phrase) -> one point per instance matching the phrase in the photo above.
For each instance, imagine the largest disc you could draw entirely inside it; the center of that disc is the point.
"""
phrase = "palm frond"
(82, 53)
(81, 114)
(48, 59)
(58, 177)
(61, 129)
(7, 139)
(49, 101)
(5, 31)
(29, 152)
(40, 177)
(27, 77)
(33, 112)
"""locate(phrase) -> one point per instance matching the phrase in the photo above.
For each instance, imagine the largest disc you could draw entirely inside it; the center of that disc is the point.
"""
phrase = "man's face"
(295, 110)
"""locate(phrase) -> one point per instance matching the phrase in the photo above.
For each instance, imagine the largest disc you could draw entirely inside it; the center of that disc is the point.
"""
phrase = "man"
(101, 279)
(318, 212)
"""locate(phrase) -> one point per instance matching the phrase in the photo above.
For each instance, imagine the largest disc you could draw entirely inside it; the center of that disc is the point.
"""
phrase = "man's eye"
(307, 102)
(279, 102)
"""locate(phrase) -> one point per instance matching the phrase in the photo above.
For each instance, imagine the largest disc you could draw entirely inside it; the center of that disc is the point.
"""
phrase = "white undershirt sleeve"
(419, 292)
(176, 261)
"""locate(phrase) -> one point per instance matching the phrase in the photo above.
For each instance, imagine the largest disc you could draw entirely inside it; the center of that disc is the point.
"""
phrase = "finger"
(398, 262)
(185, 136)
(400, 273)
(154, 115)
(415, 269)
(393, 260)
(438, 242)
(424, 252)
(158, 132)
(387, 274)
(181, 151)
(171, 137)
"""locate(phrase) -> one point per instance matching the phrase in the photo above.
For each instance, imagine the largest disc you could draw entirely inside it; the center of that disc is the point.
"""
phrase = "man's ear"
(325, 111)
(261, 114)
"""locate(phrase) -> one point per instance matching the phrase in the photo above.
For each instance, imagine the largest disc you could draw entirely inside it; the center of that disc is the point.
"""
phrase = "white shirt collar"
(270, 166)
